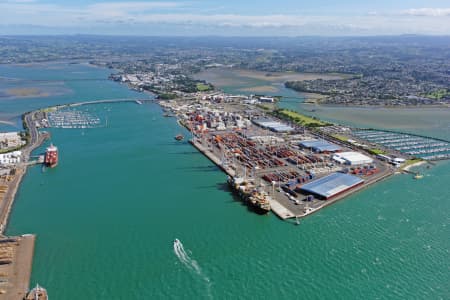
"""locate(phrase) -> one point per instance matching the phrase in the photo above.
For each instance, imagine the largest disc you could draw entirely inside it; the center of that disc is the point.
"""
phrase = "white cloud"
(130, 7)
(428, 12)
(160, 13)
(18, 1)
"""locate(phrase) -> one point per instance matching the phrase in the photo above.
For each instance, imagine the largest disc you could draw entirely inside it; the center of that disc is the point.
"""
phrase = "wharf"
(282, 205)
(212, 157)
(8, 189)
(281, 211)
(16, 259)
(277, 208)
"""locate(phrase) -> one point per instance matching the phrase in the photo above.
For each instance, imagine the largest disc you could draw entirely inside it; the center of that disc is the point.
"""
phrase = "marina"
(74, 118)
(411, 145)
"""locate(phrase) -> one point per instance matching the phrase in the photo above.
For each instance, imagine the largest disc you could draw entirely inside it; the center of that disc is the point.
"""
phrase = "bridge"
(117, 100)
(67, 80)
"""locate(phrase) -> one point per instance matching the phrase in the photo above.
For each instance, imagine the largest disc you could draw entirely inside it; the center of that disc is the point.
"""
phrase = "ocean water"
(107, 215)
(59, 83)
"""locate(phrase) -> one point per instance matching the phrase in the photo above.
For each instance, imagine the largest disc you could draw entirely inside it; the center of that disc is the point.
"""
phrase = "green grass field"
(203, 87)
(302, 119)
(376, 151)
(340, 137)
(438, 94)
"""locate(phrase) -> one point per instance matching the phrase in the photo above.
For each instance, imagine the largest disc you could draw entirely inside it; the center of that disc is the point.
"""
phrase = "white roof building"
(352, 158)
(399, 160)
(10, 158)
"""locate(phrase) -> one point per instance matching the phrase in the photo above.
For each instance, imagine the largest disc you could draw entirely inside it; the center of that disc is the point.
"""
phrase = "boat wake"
(191, 264)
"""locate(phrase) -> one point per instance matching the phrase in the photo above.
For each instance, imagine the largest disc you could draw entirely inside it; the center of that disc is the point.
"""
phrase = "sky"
(226, 17)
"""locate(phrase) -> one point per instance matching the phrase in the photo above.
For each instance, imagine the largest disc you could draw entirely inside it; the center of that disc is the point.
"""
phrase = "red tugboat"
(51, 156)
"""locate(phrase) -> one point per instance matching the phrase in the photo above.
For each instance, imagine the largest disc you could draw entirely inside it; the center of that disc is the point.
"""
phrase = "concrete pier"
(16, 259)
(212, 157)
(281, 211)
(281, 205)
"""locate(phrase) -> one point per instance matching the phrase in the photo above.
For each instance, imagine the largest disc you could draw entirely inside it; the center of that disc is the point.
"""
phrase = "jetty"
(281, 211)
(16, 259)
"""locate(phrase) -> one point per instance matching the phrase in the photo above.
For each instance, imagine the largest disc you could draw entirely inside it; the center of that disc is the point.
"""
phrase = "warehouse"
(352, 158)
(273, 125)
(320, 146)
(332, 185)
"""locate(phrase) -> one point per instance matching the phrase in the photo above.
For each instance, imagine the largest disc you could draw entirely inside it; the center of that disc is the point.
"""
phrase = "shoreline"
(36, 140)
(18, 270)
(417, 164)
(316, 101)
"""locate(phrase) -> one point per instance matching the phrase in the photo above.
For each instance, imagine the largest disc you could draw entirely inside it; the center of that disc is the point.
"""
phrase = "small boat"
(179, 137)
(38, 293)
(418, 176)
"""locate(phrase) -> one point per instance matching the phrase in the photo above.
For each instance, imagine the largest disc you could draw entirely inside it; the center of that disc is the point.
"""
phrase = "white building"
(10, 140)
(10, 158)
(398, 161)
(267, 99)
(352, 158)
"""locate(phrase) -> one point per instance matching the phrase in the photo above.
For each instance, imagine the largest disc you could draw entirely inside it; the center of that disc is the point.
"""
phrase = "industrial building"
(273, 125)
(352, 158)
(267, 99)
(320, 146)
(332, 185)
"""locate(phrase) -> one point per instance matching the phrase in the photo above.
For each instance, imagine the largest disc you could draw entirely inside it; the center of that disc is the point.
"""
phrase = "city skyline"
(233, 18)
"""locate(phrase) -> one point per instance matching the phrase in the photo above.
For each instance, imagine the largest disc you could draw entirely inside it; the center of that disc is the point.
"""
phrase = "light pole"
(273, 187)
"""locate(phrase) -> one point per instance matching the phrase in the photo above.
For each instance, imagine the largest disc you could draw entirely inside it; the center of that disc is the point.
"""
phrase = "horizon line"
(223, 36)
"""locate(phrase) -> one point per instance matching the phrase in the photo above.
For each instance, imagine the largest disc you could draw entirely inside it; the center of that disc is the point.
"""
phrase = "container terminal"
(274, 165)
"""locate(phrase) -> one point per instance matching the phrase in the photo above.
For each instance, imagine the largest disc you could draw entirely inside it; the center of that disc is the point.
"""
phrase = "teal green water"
(62, 82)
(107, 216)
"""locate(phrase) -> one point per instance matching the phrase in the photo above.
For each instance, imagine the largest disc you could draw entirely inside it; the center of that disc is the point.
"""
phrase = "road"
(35, 141)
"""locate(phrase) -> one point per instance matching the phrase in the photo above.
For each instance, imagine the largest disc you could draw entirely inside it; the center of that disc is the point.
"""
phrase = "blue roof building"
(320, 146)
(332, 185)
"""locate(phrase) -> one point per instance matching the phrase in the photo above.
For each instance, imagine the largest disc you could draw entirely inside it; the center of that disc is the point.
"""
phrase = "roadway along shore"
(16, 253)
(36, 139)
